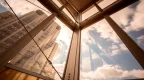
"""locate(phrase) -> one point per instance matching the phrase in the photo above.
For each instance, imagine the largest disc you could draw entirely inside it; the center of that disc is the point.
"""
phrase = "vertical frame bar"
(73, 61)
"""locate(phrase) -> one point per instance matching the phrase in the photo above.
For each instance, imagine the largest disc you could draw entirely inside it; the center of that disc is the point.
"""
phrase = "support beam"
(27, 72)
(136, 51)
(61, 15)
(116, 6)
(61, 8)
(21, 43)
(72, 69)
(73, 61)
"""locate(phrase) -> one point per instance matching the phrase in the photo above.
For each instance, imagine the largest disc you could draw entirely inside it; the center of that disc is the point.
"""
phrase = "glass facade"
(44, 54)
(104, 56)
(35, 44)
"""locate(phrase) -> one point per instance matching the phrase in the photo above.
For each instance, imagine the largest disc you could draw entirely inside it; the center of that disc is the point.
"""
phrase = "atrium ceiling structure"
(77, 8)
(70, 13)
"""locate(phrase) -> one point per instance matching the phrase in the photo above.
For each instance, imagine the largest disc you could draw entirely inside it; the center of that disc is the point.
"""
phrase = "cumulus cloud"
(115, 52)
(106, 31)
(140, 39)
(116, 49)
(122, 17)
(137, 23)
(86, 64)
(123, 47)
(111, 72)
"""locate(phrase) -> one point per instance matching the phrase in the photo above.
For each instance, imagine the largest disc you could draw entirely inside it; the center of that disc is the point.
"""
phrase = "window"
(103, 54)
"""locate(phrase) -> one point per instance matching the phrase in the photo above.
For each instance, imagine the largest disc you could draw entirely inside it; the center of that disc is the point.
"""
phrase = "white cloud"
(114, 47)
(137, 22)
(122, 17)
(94, 56)
(86, 64)
(106, 31)
(140, 39)
(123, 47)
(111, 72)
(115, 52)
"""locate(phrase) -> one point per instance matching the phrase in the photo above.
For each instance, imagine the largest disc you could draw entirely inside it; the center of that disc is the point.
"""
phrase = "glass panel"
(131, 21)
(63, 41)
(89, 12)
(105, 3)
(68, 14)
(10, 74)
(29, 56)
(105, 57)
(32, 59)
(57, 3)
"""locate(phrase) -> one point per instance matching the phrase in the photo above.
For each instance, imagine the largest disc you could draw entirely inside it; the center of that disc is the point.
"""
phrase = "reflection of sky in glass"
(64, 39)
(104, 56)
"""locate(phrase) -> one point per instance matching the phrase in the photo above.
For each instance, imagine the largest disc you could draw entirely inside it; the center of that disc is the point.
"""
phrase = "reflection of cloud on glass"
(112, 72)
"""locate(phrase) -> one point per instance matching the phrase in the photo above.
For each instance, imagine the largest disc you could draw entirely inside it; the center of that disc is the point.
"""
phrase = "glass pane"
(63, 41)
(68, 14)
(105, 57)
(32, 59)
(29, 56)
(8, 29)
(57, 3)
(105, 3)
(15, 75)
(131, 21)
(89, 12)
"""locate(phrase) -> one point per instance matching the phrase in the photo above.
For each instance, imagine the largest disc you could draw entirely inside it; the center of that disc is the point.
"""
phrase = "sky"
(103, 54)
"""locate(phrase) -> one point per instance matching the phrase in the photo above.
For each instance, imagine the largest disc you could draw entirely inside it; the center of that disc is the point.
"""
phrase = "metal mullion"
(73, 61)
